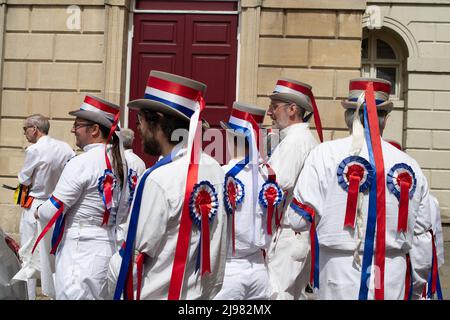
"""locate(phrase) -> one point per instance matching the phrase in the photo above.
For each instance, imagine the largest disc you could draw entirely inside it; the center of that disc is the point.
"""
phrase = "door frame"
(133, 10)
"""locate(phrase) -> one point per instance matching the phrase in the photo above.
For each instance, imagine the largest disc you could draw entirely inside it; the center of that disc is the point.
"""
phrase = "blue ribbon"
(377, 101)
(186, 111)
(59, 224)
(371, 218)
(132, 228)
(238, 167)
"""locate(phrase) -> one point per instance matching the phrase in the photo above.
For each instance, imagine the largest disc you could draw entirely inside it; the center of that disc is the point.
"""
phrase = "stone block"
(443, 197)
(343, 78)
(442, 32)
(63, 102)
(11, 133)
(60, 129)
(52, 76)
(431, 159)
(267, 79)
(426, 81)
(283, 52)
(14, 75)
(26, 46)
(25, 103)
(75, 47)
(339, 134)
(418, 139)
(18, 18)
(314, 4)
(350, 24)
(272, 22)
(55, 19)
(420, 99)
(7, 196)
(441, 100)
(331, 114)
(428, 119)
(321, 80)
(441, 139)
(11, 161)
(434, 50)
(440, 179)
(336, 53)
(93, 20)
(10, 218)
(311, 23)
(394, 127)
(423, 31)
(91, 77)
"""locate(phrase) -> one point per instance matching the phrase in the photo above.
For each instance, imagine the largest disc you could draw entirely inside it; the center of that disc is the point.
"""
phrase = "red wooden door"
(199, 46)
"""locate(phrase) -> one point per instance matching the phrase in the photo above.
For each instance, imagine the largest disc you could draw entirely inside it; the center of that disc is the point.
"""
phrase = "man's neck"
(166, 148)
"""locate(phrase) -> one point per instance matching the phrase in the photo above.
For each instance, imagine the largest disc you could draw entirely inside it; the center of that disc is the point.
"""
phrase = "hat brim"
(238, 133)
(93, 116)
(161, 107)
(387, 105)
(302, 102)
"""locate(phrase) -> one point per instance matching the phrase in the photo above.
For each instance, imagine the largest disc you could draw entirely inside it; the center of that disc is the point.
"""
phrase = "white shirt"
(318, 186)
(134, 162)
(44, 163)
(288, 157)
(78, 189)
(250, 225)
(158, 227)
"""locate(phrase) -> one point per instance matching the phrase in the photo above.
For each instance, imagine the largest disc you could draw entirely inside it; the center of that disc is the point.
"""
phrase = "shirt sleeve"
(153, 217)
(31, 162)
(68, 190)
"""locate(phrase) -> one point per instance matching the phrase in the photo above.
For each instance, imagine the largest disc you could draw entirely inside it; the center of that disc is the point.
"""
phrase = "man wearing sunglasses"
(45, 159)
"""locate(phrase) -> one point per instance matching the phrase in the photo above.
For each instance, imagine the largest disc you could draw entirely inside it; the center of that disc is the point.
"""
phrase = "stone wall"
(55, 52)
(317, 42)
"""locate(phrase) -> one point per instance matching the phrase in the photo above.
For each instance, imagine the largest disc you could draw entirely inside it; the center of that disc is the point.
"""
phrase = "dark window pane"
(389, 74)
(365, 49)
(384, 51)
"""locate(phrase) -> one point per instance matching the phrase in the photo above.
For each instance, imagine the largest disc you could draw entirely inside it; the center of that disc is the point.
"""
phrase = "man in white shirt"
(288, 254)
(84, 205)
(368, 203)
(176, 201)
(246, 275)
(45, 159)
(134, 162)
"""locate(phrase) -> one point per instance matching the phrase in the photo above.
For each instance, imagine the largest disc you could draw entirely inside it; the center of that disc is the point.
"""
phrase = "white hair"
(39, 121)
(127, 137)
(349, 118)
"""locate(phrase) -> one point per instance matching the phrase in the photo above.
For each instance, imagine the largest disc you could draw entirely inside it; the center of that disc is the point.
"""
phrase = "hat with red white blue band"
(381, 91)
(288, 90)
(238, 122)
(170, 94)
(97, 110)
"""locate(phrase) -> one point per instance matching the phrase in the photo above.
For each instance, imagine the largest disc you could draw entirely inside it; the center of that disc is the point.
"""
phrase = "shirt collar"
(292, 128)
(92, 146)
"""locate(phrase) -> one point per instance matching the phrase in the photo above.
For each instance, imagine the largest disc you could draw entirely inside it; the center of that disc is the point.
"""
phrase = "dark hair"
(167, 123)
(117, 161)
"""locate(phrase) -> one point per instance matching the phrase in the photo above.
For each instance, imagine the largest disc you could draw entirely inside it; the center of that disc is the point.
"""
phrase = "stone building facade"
(54, 52)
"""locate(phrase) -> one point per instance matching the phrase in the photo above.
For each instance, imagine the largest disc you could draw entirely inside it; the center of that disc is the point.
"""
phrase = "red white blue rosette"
(132, 182)
(351, 164)
(106, 185)
(401, 181)
(233, 189)
(270, 196)
(354, 175)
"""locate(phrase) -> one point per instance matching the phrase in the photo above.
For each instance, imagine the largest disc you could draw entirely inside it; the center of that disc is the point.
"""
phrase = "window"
(380, 59)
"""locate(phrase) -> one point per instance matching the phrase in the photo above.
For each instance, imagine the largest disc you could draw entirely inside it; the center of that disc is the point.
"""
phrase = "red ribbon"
(375, 136)
(405, 182)
(354, 176)
(181, 251)
(271, 195)
(139, 269)
(50, 224)
(434, 274)
(407, 277)
(307, 92)
(203, 204)
(231, 189)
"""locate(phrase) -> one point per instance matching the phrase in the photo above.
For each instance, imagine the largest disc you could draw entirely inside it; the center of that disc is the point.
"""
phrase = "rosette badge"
(270, 197)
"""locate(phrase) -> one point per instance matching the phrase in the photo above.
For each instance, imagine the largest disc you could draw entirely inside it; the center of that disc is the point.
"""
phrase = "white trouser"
(340, 278)
(246, 278)
(28, 231)
(289, 264)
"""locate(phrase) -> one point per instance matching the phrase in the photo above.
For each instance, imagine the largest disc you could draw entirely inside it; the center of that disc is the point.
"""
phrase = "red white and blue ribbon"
(377, 195)
(106, 186)
(434, 283)
(270, 196)
(203, 206)
(354, 175)
(308, 213)
(283, 86)
(59, 220)
(234, 192)
(132, 182)
(401, 181)
(125, 280)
